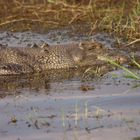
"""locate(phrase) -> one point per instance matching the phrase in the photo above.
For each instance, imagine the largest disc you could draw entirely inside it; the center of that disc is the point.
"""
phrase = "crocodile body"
(15, 60)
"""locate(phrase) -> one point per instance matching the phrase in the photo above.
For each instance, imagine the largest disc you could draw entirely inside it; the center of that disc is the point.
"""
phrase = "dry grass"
(121, 17)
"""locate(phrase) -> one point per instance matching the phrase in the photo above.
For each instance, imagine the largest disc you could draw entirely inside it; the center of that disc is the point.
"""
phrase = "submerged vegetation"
(121, 17)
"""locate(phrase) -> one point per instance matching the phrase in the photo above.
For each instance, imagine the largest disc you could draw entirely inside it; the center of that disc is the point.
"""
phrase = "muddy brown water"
(68, 107)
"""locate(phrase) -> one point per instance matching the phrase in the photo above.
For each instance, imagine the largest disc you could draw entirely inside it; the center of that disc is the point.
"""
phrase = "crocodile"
(39, 58)
(21, 60)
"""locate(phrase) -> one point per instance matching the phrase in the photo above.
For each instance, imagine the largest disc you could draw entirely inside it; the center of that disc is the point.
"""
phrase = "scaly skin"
(14, 60)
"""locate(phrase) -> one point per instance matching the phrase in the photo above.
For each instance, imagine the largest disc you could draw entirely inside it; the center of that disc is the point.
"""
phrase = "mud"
(60, 36)
(40, 107)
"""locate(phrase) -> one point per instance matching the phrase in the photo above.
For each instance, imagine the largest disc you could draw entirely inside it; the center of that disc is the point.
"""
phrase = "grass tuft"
(130, 74)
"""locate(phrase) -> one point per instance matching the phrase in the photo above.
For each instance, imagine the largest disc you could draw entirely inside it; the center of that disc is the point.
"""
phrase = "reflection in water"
(38, 81)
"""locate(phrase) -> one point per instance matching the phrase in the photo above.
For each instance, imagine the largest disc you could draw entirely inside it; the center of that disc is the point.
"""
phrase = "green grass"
(130, 73)
(135, 62)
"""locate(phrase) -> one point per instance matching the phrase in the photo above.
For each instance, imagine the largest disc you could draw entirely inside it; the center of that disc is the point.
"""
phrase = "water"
(55, 106)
